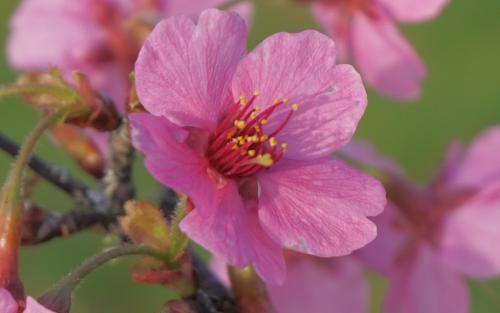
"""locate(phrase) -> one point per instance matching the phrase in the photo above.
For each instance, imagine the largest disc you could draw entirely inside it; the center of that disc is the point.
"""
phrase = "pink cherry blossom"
(367, 34)
(249, 137)
(92, 36)
(431, 238)
(316, 285)
(9, 305)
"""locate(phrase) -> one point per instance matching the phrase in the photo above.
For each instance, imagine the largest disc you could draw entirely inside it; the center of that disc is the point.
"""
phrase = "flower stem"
(249, 291)
(89, 265)
(58, 298)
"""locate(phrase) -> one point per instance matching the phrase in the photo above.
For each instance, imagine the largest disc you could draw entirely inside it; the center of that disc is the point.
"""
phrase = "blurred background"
(460, 98)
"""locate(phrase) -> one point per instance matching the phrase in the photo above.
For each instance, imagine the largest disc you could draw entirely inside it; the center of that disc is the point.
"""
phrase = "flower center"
(239, 146)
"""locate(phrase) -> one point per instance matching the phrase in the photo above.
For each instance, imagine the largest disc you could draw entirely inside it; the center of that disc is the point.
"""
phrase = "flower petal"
(170, 161)
(319, 207)
(414, 10)
(48, 33)
(471, 235)
(183, 71)
(315, 285)
(32, 306)
(7, 302)
(380, 254)
(426, 285)
(384, 57)
(233, 233)
(336, 24)
(480, 164)
(301, 67)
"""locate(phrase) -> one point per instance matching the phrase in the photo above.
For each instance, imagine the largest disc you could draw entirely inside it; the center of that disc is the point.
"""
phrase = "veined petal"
(301, 68)
(232, 232)
(319, 207)
(170, 161)
(184, 70)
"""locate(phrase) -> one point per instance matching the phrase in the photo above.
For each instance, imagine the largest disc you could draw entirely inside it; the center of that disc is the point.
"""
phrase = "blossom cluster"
(258, 146)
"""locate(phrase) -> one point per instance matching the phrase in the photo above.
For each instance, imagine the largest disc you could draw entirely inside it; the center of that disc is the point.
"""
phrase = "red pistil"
(239, 146)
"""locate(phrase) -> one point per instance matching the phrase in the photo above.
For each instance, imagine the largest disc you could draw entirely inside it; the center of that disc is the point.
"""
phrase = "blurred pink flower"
(430, 238)
(226, 131)
(366, 33)
(316, 285)
(9, 305)
(93, 36)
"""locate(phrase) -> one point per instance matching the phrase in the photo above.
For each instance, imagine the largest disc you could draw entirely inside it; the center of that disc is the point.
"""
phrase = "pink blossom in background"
(431, 238)
(92, 36)
(9, 305)
(366, 33)
(249, 137)
(316, 285)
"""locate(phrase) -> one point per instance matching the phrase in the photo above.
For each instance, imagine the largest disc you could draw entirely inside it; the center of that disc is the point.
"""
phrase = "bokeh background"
(460, 98)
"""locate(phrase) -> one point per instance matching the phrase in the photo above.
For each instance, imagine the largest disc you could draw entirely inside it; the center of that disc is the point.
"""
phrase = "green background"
(460, 98)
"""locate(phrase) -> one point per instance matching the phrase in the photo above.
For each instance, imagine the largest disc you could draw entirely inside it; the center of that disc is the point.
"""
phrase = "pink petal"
(471, 235)
(170, 161)
(414, 10)
(183, 71)
(480, 164)
(364, 154)
(381, 254)
(384, 57)
(32, 306)
(322, 286)
(7, 302)
(190, 8)
(45, 33)
(232, 232)
(336, 24)
(426, 285)
(301, 67)
(319, 207)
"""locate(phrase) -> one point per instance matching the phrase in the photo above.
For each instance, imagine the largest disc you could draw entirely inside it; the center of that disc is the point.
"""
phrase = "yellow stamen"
(251, 153)
(263, 138)
(273, 142)
(277, 101)
(234, 147)
(263, 121)
(265, 160)
(253, 115)
(239, 124)
(295, 107)
(257, 107)
(285, 100)
(243, 152)
(243, 100)
(256, 93)
(230, 135)
(284, 147)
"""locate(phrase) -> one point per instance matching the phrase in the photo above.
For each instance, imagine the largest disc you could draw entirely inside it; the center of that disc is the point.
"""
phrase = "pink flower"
(9, 305)
(431, 238)
(316, 285)
(95, 37)
(366, 32)
(226, 131)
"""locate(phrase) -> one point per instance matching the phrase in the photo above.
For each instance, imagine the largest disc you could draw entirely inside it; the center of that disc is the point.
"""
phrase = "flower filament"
(239, 146)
